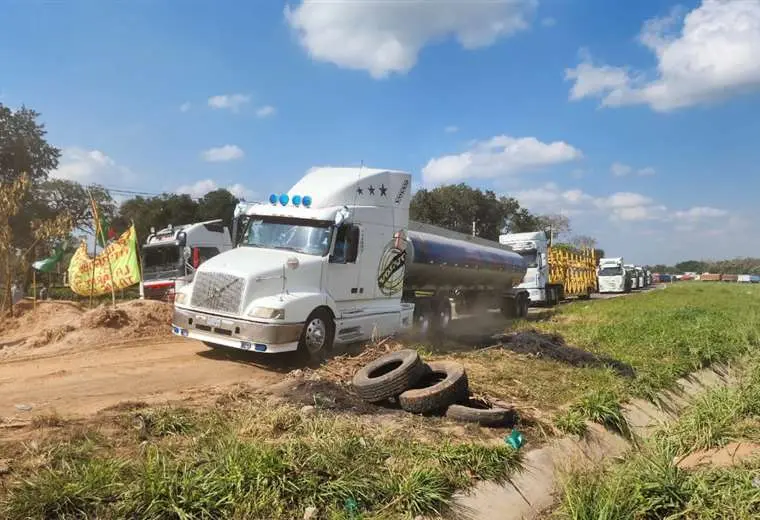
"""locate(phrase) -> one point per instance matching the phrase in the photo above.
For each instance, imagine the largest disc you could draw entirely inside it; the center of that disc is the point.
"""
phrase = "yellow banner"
(94, 274)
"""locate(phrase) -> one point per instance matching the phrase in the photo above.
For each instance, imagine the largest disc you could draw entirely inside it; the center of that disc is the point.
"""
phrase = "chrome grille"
(218, 292)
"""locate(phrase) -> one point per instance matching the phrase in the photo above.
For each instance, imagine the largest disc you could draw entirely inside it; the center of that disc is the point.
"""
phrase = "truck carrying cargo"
(336, 260)
(729, 278)
(710, 277)
(170, 257)
(554, 272)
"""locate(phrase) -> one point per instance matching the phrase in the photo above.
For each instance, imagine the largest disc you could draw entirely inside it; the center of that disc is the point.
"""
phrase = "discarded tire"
(444, 385)
(389, 375)
(482, 413)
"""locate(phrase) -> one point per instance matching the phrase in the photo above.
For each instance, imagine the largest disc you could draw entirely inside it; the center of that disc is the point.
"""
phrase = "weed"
(572, 422)
(160, 422)
(603, 407)
(48, 420)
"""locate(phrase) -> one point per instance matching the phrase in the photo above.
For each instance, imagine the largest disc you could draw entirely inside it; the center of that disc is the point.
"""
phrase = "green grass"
(252, 460)
(650, 484)
(663, 334)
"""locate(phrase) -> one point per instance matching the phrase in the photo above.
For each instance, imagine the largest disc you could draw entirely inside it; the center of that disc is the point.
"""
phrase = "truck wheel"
(509, 307)
(552, 296)
(440, 315)
(482, 413)
(317, 335)
(444, 385)
(522, 306)
(389, 375)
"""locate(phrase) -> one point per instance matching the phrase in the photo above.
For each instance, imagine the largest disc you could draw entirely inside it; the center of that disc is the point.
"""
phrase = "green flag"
(48, 264)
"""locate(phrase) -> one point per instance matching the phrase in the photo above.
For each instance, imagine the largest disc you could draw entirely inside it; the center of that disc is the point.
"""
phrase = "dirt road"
(99, 370)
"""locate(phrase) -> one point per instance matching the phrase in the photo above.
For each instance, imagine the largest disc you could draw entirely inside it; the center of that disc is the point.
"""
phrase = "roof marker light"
(284, 199)
(306, 201)
(273, 199)
(296, 200)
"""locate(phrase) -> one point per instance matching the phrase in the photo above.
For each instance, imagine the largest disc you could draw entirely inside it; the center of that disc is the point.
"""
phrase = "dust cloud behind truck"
(336, 260)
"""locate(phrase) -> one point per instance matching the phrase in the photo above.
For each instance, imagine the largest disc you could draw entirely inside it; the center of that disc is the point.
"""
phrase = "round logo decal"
(390, 273)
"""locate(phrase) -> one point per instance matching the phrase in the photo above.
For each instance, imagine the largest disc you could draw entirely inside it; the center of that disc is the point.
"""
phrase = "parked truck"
(171, 256)
(554, 273)
(336, 260)
(613, 276)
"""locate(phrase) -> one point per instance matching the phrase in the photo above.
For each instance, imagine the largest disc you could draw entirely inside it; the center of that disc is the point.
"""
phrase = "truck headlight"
(267, 313)
(180, 297)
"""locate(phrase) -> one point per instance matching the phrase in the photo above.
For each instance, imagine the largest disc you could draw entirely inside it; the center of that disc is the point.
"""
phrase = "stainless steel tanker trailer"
(445, 268)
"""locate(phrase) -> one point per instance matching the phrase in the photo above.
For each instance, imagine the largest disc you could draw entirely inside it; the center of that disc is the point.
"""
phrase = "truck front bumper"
(537, 295)
(244, 335)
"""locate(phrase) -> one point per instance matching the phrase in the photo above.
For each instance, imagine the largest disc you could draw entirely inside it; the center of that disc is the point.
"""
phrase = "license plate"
(213, 322)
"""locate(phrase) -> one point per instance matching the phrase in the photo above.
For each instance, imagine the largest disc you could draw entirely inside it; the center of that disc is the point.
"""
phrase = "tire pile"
(426, 388)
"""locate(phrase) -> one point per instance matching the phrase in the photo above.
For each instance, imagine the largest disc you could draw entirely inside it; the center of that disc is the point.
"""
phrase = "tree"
(456, 207)
(218, 204)
(692, 266)
(23, 149)
(24, 152)
(583, 241)
(62, 196)
(556, 225)
(12, 195)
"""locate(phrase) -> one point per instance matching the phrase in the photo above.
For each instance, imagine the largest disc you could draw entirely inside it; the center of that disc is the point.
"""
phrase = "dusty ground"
(62, 358)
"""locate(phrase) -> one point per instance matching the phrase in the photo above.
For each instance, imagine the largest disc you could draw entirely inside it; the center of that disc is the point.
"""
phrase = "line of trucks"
(336, 260)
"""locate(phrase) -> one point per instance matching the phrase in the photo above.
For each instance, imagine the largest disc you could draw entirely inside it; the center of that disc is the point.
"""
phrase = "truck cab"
(171, 256)
(533, 247)
(320, 264)
(613, 276)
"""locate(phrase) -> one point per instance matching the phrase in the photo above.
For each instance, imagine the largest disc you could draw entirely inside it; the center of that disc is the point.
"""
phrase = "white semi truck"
(613, 277)
(553, 273)
(336, 260)
(171, 256)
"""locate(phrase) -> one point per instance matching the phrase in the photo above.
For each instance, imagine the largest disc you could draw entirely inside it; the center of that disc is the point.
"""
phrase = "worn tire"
(478, 413)
(445, 385)
(389, 375)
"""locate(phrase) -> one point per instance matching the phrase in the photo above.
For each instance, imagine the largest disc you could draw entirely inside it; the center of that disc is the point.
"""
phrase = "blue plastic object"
(296, 200)
(273, 199)
(284, 199)
(307, 201)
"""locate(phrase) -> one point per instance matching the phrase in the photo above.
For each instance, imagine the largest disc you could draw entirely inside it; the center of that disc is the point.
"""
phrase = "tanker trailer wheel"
(440, 314)
(318, 334)
(522, 307)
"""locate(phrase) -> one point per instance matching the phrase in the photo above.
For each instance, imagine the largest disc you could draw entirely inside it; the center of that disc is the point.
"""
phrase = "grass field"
(651, 483)
(663, 335)
(248, 458)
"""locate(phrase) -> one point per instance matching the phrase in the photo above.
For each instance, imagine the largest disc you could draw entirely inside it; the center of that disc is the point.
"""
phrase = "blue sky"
(639, 120)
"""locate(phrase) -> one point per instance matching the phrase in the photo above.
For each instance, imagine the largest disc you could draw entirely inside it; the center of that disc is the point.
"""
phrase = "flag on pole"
(48, 264)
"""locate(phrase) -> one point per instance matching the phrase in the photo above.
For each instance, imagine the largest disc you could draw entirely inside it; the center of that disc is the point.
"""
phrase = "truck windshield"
(530, 257)
(160, 258)
(611, 271)
(311, 237)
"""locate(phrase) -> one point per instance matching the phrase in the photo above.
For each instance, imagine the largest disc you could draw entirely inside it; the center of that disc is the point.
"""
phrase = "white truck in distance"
(612, 276)
(336, 260)
(171, 256)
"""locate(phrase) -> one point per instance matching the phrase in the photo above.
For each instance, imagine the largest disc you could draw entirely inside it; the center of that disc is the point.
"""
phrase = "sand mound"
(61, 326)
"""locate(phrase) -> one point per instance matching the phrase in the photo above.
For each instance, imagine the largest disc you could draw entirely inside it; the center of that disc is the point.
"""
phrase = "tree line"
(746, 265)
(38, 210)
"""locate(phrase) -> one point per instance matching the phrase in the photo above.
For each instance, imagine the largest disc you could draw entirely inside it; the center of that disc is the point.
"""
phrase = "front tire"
(318, 335)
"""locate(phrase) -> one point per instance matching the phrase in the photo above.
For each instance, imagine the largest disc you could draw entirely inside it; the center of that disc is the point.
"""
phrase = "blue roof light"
(273, 199)
(284, 199)
(306, 201)
(296, 200)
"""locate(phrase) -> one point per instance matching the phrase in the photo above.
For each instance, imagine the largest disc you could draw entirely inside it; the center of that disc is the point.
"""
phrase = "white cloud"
(636, 213)
(383, 37)
(711, 57)
(228, 152)
(184, 107)
(499, 156)
(266, 111)
(202, 187)
(89, 166)
(549, 21)
(619, 169)
(623, 199)
(451, 129)
(700, 212)
(231, 102)
(550, 197)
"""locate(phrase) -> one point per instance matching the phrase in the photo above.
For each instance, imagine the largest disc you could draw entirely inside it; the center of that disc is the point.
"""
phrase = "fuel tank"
(437, 258)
